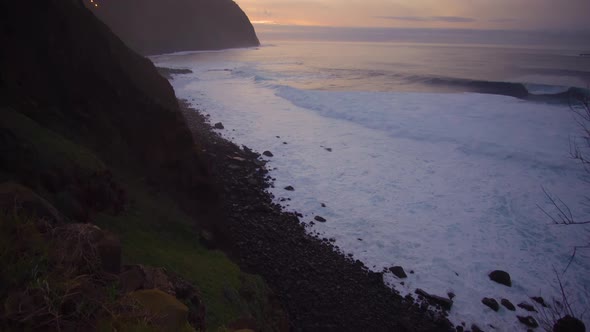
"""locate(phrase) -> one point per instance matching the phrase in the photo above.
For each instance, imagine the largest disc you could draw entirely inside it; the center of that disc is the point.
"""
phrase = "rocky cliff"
(103, 190)
(156, 27)
(65, 69)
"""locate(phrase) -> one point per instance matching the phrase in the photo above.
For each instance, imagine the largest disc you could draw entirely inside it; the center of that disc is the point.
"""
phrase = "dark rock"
(150, 27)
(323, 205)
(267, 153)
(539, 300)
(328, 149)
(451, 295)
(398, 271)
(508, 305)
(319, 219)
(527, 307)
(569, 324)
(501, 277)
(528, 321)
(475, 328)
(443, 302)
(289, 188)
(218, 125)
(492, 303)
(131, 279)
(459, 328)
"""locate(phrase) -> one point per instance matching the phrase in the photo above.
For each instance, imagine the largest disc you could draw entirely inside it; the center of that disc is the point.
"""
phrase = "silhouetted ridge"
(66, 70)
(156, 26)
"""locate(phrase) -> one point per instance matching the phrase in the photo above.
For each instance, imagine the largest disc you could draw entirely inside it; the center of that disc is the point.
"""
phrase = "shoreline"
(318, 286)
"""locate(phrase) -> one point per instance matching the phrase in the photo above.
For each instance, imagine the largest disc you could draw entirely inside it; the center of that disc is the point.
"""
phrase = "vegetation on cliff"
(103, 196)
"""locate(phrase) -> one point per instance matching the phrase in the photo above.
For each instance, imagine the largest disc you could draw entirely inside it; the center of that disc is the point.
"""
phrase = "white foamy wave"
(446, 185)
(539, 89)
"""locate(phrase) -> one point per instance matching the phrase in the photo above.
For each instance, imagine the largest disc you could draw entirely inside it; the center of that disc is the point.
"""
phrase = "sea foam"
(449, 186)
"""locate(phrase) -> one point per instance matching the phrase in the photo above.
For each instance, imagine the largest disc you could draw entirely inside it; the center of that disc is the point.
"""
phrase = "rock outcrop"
(156, 27)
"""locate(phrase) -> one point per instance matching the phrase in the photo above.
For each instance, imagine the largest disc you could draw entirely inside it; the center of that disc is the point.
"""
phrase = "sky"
(463, 14)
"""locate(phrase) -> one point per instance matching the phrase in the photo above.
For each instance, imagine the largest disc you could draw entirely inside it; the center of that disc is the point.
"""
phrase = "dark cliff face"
(158, 26)
(65, 69)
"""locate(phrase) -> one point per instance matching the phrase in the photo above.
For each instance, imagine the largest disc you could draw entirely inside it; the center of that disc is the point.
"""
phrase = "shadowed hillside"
(155, 27)
(104, 196)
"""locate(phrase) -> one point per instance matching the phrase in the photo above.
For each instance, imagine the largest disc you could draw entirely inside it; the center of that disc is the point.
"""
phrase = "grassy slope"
(153, 229)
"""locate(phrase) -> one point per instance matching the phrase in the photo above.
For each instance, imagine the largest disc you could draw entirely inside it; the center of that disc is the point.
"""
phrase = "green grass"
(155, 232)
(153, 229)
(52, 149)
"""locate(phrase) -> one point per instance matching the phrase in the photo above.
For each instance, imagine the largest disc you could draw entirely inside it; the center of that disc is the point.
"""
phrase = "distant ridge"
(155, 26)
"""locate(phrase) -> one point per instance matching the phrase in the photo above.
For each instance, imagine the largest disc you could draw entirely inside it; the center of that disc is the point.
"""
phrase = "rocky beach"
(321, 288)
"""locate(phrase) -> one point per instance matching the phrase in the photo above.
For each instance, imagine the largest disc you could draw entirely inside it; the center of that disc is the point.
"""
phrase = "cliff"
(156, 27)
(65, 69)
(99, 173)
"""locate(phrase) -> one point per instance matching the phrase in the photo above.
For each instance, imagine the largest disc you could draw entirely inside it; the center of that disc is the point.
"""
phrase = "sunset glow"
(477, 14)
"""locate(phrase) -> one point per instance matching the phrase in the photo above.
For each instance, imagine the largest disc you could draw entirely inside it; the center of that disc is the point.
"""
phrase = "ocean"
(427, 149)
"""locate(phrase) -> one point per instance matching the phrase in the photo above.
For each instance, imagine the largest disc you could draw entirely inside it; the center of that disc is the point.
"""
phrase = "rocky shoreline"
(321, 288)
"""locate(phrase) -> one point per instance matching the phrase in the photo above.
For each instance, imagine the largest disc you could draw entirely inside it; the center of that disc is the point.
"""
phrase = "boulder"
(218, 125)
(443, 302)
(289, 188)
(141, 277)
(508, 305)
(540, 301)
(167, 312)
(569, 324)
(15, 196)
(529, 321)
(475, 328)
(492, 303)
(526, 307)
(398, 271)
(501, 277)
(131, 279)
(319, 219)
(268, 154)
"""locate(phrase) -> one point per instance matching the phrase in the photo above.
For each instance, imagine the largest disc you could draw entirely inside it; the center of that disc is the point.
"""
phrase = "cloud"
(502, 20)
(446, 19)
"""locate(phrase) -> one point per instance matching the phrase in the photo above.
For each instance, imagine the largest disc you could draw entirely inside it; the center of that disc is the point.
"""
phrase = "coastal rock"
(289, 188)
(218, 125)
(155, 27)
(443, 302)
(539, 300)
(526, 307)
(398, 271)
(508, 305)
(492, 303)
(569, 324)
(319, 219)
(528, 321)
(268, 154)
(501, 277)
(475, 328)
